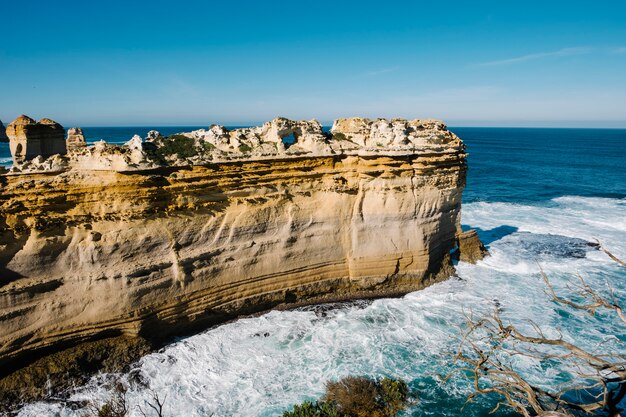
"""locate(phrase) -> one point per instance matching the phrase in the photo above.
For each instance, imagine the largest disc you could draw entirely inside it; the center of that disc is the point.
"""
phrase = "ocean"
(536, 196)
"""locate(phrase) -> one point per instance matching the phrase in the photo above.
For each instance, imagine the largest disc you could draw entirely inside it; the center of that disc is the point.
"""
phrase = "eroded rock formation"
(471, 249)
(279, 138)
(29, 139)
(165, 235)
(75, 138)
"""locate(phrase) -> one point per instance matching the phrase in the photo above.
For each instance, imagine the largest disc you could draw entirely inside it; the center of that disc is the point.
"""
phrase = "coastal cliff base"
(147, 254)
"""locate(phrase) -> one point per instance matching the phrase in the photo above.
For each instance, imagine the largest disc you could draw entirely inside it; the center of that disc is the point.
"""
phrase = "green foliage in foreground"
(316, 409)
(357, 397)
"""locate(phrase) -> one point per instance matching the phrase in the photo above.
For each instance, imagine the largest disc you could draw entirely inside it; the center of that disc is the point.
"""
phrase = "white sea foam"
(261, 366)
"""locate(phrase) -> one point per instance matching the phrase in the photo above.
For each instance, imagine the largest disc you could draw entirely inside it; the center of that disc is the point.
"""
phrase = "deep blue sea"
(532, 194)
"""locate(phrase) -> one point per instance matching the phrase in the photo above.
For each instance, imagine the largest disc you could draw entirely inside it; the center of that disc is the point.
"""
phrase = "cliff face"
(88, 254)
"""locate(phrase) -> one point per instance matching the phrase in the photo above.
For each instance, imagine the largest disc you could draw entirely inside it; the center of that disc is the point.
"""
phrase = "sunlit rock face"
(100, 249)
(75, 138)
(29, 139)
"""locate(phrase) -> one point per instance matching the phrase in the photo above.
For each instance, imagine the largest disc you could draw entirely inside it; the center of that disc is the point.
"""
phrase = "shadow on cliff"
(492, 235)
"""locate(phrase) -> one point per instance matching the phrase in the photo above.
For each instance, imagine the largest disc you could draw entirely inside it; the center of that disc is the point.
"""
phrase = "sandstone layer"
(165, 247)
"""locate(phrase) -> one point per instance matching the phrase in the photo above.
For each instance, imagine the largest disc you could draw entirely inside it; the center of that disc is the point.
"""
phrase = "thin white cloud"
(621, 50)
(533, 57)
(380, 71)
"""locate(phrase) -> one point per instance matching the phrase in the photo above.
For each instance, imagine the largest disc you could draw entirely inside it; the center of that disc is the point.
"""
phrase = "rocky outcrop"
(211, 224)
(3, 134)
(471, 249)
(279, 138)
(75, 138)
(29, 139)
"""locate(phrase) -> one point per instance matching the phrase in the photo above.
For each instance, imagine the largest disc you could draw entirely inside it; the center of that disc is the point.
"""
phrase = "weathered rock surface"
(247, 225)
(29, 139)
(75, 138)
(3, 134)
(471, 249)
(279, 138)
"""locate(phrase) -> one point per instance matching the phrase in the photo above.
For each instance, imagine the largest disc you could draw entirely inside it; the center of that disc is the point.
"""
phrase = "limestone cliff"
(166, 247)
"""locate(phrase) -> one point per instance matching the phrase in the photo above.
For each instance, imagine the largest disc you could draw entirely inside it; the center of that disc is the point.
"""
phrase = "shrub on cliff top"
(181, 145)
(357, 397)
(339, 136)
(245, 148)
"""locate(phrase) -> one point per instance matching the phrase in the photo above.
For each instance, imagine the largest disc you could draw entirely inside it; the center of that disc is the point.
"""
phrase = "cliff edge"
(166, 235)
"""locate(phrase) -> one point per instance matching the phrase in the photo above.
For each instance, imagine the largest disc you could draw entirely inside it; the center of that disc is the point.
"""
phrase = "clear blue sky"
(234, 62)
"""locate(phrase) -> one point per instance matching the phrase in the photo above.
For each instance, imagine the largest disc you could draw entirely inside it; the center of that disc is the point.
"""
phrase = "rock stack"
(75, 138)
(3, 134)
(471, 249)
(29, 139)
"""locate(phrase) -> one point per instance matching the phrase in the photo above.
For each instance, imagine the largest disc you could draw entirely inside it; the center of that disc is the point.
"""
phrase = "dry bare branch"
(488, 344)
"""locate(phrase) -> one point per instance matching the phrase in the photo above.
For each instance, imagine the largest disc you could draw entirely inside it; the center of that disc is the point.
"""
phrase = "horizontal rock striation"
(87, 254)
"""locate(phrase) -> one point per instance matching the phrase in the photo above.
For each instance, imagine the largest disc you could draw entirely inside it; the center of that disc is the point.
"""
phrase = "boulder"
(471, 249)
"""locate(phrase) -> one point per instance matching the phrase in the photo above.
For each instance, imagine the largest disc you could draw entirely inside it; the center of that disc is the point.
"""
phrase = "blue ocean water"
(535, 196)
(532, 165)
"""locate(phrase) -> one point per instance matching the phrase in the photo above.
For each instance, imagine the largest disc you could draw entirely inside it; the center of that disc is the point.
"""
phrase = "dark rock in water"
(322, 310)
(471, 249)
(3, 133)
(557, 246)
(55, 374)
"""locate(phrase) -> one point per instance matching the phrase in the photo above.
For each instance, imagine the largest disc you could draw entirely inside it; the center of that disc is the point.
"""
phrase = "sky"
(157, 63)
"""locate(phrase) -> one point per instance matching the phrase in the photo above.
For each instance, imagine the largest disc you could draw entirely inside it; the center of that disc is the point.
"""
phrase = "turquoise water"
(535, 196)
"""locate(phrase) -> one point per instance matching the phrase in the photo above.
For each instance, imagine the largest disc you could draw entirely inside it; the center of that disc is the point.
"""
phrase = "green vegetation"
(207, 147)
(339, 136)
(181, 145)
(357, 397)
(245, 148)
